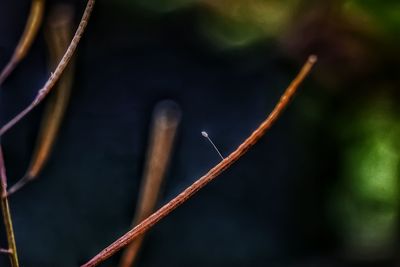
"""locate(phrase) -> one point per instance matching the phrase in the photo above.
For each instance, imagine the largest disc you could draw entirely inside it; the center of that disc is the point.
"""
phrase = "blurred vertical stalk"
(27, 38)
(5, 209)
(166, 119)
(58, 35)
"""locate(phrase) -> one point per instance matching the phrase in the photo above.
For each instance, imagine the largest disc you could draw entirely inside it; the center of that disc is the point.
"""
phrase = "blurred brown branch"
(31, 29)
(58, 33)
(166, 120)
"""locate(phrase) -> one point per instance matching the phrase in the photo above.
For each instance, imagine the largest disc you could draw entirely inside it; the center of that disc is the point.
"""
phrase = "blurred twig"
(5, 209)
(55, 76)
(145, 225)
(165, 123)
(58, 33)
(27, 38)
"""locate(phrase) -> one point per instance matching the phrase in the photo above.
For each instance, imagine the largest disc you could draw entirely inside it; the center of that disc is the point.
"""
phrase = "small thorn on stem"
(5, 251)
(17, 186)
(205, 134)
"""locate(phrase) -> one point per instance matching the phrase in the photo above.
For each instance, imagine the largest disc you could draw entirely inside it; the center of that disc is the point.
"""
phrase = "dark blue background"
(267, 210)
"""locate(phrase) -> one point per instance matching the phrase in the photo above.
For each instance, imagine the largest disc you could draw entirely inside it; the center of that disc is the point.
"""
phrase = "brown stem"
(5, 209)
(27, 38)
(166, 119)
(58, 33)
(55, 76)
(211, 175)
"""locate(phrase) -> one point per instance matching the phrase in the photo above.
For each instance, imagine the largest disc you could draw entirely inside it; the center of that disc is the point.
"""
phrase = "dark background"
(278, 206)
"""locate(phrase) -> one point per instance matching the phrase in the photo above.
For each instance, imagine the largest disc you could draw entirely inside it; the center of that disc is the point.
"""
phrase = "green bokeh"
(243, 23)
(366, 201)
(381, 15)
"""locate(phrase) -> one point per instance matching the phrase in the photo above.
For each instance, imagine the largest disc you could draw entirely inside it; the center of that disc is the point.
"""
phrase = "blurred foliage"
(357, 35)
(241, 22)
(163, 5)
(233, 23)
(366, 201)
(382, 16)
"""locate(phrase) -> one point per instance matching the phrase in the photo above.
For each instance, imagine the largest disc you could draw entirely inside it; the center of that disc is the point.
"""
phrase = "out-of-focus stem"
(166, 120)
(213, 173)
(5, 209)
(58, 34)
(27, 38)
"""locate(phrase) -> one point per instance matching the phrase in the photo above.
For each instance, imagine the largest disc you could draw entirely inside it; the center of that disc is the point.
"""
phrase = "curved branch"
(27, 38)
(55, 76)
(145, 225)
(59, 33)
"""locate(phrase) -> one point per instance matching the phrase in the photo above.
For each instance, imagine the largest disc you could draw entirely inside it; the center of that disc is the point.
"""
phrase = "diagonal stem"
(145, 225)
(55, 76)
(59, 33)
(42, 93)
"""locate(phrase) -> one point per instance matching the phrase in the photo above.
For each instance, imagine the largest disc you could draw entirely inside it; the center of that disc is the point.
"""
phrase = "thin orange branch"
(145, 225)
(55, 76)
